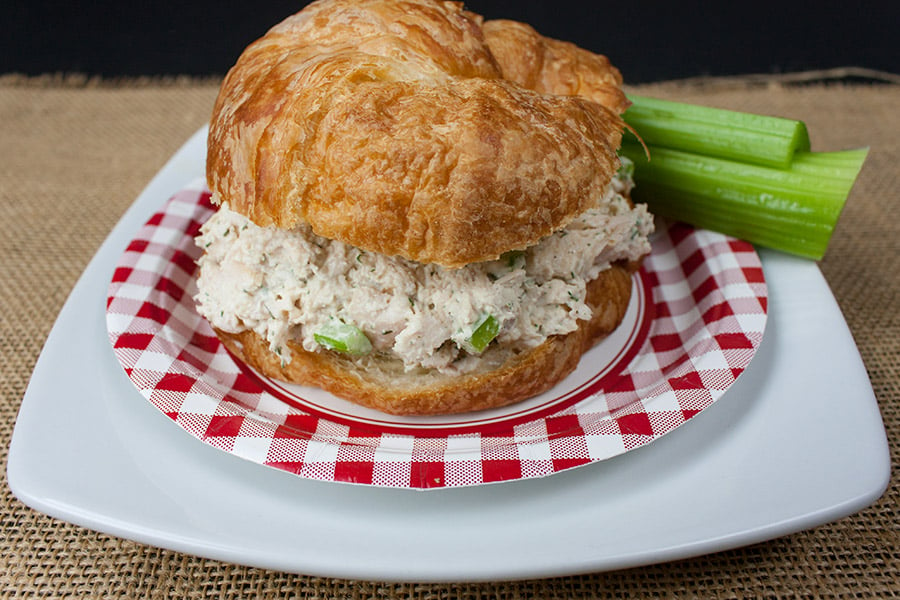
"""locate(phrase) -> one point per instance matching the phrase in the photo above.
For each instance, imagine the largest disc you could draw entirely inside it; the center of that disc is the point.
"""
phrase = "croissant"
(411, 128)
(415, 130)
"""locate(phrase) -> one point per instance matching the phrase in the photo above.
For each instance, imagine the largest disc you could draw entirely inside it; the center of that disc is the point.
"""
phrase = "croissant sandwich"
(418, 210)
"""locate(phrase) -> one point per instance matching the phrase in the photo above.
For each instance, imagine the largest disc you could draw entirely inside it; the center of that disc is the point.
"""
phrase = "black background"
(648, 41)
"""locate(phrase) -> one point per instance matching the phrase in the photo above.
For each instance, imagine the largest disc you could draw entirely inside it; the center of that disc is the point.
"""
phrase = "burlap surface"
(75, 154)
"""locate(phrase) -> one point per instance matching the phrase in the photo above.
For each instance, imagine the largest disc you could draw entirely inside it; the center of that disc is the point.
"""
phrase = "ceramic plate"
(796, 441)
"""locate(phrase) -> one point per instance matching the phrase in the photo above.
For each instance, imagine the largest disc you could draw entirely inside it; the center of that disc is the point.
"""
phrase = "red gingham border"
(709, 302)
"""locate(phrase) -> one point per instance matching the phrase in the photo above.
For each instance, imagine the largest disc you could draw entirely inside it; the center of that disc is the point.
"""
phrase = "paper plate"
(696, 319)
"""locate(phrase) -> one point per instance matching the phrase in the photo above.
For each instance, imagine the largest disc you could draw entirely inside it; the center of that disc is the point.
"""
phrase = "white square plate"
(798, 441)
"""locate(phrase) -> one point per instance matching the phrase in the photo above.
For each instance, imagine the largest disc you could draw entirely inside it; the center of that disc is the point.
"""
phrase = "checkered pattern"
(708, 309)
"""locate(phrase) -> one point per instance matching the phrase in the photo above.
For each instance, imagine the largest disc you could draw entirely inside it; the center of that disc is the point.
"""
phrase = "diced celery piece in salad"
(343, 337)
(484, 331)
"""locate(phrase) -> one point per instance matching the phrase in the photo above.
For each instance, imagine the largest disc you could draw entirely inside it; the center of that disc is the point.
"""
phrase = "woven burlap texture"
(75, 154)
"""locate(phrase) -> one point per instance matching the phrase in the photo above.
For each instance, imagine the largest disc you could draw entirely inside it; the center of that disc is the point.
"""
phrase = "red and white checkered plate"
(697, 316)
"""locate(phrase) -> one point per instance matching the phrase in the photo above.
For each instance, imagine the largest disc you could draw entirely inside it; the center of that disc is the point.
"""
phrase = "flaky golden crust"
(553, 66)
(408, 127)
(503, 377)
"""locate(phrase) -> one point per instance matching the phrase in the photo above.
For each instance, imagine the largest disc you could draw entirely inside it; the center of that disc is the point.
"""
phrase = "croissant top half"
(414, 128)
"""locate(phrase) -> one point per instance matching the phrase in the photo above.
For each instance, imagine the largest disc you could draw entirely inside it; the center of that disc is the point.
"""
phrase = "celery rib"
(742, 137)
(793, 209)
(814, 182)
(797, 237)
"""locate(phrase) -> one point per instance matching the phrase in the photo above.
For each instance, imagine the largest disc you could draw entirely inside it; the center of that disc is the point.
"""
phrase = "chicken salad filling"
(327, 295)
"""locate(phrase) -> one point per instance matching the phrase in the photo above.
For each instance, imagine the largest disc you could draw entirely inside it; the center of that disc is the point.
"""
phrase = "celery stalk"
(794, 209)
(738, 136)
